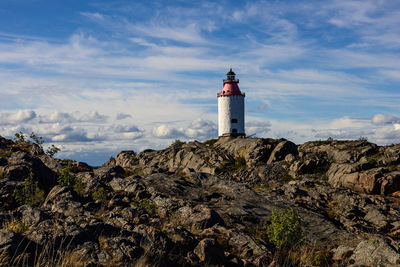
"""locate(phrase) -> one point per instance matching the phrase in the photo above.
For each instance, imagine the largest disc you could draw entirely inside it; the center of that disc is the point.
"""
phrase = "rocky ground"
(202, 204)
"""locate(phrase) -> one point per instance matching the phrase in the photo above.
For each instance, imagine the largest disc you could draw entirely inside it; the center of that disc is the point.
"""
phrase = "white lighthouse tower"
(231, 108)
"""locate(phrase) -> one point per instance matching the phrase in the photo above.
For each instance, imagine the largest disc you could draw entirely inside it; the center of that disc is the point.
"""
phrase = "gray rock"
(342, 253)
(253, 150)
(63, 200)
(376, 217)
(30, 215)
(375, 252)
(208, 250)
(199, 217)
(126, 159)
(282, 150)
(128, 184)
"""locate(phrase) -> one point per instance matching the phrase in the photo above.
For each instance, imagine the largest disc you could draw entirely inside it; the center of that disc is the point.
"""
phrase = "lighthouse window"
(234, 120)
(234, 130)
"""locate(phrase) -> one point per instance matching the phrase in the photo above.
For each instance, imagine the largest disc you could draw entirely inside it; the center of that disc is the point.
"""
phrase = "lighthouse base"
(233, 135)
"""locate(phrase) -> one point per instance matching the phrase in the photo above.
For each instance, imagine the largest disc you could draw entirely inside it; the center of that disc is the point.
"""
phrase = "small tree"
(285, 229)
(66, 177)
(20, 138)
(52, 150)
(37, 139)
(30, 193)
(177, 142)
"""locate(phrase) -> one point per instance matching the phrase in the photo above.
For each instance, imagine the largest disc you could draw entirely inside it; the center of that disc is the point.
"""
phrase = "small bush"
(232, 166)
(210, 142)
(263, 185)
(285, 229)
(15, 225)
(147, 205)
(30, 193)
(287, 178)
(37, 139)
(100, 195)
(52, 150)
(177, 142)
(79, 186)
(363, 139)
(68, 179)
(127, 172)
(20, 138)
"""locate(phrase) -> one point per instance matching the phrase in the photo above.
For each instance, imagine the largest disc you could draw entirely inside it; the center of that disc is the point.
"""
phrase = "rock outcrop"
(197, 204)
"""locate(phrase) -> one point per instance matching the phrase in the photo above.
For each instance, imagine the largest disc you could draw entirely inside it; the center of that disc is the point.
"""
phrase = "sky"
(97, 77)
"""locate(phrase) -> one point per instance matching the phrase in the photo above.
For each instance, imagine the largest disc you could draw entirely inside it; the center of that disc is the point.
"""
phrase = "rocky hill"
(225, 202)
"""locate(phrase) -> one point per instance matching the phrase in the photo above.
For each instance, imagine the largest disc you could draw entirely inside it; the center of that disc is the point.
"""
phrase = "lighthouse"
(231, 108)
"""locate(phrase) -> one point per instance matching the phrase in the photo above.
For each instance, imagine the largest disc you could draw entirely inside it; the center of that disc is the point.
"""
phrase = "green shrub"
(147, 205)
(20, 138)
(285, 229)
(127, 172)
(363, 139)
(52, 150)
(210, 142)
(232, 166)
(79, 186)
(177, 142)
(30, 193)
(287, 178)
(100, 194)
(263, 185)
(68, 179)
(37, 139)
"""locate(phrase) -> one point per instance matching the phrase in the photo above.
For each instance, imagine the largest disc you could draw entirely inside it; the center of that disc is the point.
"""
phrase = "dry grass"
(17, 226)
(48, 256)
(310, 255)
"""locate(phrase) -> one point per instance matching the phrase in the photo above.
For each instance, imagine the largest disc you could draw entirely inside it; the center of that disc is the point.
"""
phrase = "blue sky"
(97, 77)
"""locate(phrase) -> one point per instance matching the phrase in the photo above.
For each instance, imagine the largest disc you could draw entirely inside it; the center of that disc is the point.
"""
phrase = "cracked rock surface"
(203, 204)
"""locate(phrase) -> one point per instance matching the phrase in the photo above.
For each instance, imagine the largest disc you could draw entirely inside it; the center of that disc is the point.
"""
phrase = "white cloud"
(73, 117)
(126, 128)
(167, 132)
(92, 116)
(21, 116)
(121, 116)
(380, 119)
(57, 117)
(93, 16)
(201, 129)
(259, 128)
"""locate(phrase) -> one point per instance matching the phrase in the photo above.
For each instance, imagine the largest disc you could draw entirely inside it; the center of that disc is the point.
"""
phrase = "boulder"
(63, 200)
(253, 150)
(128, 184)
(126, 159)
(199, 217)
(208, 250)
(193, 155)
(377, 218)
(375, 252)
(107, 173)
(341, 151)
(283, 149)
(342, 253)
(9, 244)
(372, 181)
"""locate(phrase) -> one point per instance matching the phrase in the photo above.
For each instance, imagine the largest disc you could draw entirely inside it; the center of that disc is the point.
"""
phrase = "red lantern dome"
(230, 85)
